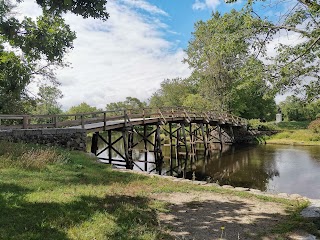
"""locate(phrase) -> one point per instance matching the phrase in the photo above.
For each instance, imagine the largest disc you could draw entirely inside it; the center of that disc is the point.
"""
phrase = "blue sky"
(183, 14)
(139, 46)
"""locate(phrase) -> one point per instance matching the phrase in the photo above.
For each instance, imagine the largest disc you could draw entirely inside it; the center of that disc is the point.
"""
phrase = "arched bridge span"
(182, 129)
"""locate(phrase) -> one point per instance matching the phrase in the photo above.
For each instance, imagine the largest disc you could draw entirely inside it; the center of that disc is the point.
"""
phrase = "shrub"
(314, 126)
(318, 116)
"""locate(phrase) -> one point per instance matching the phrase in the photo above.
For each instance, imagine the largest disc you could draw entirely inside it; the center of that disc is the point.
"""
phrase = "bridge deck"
(119, 124)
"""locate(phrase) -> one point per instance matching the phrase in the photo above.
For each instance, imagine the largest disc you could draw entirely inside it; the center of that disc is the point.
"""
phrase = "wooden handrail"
(81, 119)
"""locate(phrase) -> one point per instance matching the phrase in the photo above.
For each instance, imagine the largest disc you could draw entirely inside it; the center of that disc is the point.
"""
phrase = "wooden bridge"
(184, 129)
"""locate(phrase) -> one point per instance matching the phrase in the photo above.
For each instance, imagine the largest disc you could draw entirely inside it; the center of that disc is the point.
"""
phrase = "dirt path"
(203, 216)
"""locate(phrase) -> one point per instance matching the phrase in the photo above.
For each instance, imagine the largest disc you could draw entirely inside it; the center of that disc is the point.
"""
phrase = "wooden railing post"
(125, 117)
(55, 121)
(144, 115)
(82, 121)
(25, 121)
(104, 121)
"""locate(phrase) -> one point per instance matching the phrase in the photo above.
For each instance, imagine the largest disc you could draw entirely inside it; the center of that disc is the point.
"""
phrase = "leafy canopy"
(295, 67)
(226, 71)
(32, 49)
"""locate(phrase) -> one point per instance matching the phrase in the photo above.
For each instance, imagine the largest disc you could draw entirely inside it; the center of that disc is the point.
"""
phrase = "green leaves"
(37, 46)
(84, 8)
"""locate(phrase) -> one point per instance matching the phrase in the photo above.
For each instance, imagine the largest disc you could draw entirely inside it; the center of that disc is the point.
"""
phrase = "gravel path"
(209, 216)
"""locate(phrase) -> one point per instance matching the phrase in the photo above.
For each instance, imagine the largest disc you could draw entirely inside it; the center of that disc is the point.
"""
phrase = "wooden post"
(104, 121)
(130, 147)
(144, 116)
(110, 147)
(157, 150)
(94, 143)
(55, 121)
(186, 149)
(232, 134)
(203, 136)
(25, 121)
(145, 146)
(171, 149)
(125, 118)
(125, 145)
(178, 146)
(82, 121)
(220, 137)
(192, 140)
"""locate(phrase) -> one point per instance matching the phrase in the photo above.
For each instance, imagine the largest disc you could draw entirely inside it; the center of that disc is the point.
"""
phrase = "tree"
(83, 108)
(48, 104)
(295, 66)
(293, 109)
(35, 48)
(172, 93)
(227, 73)
(312, 109)
(197, 102)
(129, 103)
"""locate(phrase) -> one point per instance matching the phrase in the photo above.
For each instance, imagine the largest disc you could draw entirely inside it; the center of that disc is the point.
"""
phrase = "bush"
(318, 116)
(314, 126)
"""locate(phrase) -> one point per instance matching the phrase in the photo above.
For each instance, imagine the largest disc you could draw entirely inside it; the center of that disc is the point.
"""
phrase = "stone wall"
(74, 139)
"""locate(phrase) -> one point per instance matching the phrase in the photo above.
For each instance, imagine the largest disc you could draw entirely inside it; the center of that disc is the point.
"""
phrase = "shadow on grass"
(135, 217)
(86, 170)
(20, 219)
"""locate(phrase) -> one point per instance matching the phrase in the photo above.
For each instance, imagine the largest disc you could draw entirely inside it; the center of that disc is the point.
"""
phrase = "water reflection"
(273, 168)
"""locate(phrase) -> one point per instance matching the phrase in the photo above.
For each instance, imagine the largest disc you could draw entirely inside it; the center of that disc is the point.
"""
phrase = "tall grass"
(29, 156)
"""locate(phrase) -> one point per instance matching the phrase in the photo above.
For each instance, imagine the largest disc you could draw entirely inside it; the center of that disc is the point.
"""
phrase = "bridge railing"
(81, 119)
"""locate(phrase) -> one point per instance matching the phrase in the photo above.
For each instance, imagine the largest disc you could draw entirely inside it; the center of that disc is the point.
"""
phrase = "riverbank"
(290, 133)
(295, 137)
(53, 194)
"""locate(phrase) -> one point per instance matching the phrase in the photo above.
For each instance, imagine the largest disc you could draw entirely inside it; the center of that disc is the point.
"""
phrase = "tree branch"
(306, 51)
(289, 28)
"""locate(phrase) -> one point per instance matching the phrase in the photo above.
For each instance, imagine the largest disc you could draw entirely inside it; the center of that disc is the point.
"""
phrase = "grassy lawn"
(71, 196)
(297, 137)
(293, 133)
(293, 125)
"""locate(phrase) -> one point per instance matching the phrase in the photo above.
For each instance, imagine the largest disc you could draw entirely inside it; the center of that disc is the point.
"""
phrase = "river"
(270, 168)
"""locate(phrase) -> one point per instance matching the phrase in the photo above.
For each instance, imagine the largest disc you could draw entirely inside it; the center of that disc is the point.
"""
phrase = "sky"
(130, 54)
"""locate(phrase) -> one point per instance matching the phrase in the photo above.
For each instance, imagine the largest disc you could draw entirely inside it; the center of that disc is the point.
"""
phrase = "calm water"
(272, 168)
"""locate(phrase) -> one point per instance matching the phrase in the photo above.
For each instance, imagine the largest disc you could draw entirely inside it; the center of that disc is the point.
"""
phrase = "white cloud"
(141, 4)
(201, 5)
(198, 5)
(125, 56)
(212, 3)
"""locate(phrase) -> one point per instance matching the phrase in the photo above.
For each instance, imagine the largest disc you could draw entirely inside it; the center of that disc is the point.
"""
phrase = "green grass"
(293, 133)
(74, 197)
(297, 137)
(285, 125)
(292, 125)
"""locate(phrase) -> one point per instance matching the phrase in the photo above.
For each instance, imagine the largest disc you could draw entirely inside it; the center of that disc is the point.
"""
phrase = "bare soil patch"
(203, 216)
